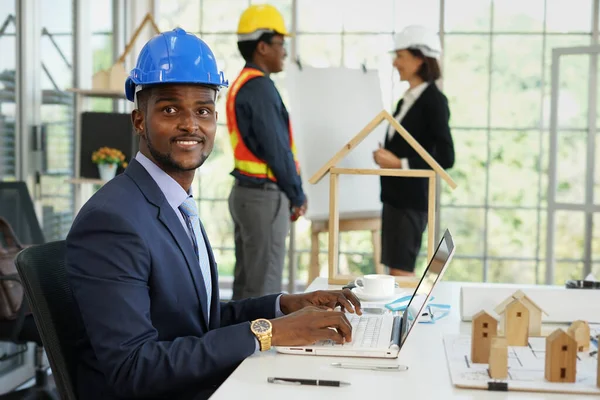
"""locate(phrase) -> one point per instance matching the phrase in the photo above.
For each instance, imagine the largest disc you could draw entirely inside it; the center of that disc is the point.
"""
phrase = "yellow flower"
(108, 155)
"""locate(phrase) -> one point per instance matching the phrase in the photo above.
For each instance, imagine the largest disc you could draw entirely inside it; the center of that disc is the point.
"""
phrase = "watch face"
(261, 326)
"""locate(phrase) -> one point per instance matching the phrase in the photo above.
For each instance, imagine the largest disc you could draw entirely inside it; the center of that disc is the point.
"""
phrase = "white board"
(329, 106)
(525, 368)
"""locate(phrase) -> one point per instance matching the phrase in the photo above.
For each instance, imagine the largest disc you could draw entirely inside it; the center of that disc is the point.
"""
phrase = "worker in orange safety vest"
(267, 192)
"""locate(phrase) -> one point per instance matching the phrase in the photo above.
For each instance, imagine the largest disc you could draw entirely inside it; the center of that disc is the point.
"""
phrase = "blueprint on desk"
(525, 368)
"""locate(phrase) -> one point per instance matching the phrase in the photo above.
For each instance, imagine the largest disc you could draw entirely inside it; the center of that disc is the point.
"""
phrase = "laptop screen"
(433, 272)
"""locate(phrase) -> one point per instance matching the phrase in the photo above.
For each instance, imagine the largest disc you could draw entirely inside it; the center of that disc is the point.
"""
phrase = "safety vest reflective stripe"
(244, 160)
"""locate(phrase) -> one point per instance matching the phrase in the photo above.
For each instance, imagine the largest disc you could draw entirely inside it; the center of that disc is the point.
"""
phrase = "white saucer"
(358, 291)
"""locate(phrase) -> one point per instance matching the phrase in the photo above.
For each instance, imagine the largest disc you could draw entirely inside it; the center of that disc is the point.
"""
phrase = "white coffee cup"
(376, 284)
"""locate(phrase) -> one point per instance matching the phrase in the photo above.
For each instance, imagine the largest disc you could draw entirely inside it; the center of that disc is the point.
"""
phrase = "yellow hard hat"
(258, 19)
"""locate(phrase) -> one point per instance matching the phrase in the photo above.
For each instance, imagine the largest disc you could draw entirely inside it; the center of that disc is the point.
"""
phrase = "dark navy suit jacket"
(144, 331)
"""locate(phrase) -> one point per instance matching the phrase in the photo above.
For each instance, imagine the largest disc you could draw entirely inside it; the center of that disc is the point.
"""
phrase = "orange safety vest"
(244, 160)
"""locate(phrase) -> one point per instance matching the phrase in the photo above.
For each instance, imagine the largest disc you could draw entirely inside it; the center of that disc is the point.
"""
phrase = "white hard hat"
(421, 38)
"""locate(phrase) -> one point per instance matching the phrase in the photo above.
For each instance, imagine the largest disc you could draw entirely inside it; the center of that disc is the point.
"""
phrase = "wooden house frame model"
(113, 79)
(334, 173)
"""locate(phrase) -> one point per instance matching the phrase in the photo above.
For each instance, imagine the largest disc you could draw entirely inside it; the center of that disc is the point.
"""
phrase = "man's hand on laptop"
(324, 299)
(310, 325)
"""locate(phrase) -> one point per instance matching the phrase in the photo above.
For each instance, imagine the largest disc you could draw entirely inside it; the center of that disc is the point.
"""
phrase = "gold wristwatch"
(262, 329)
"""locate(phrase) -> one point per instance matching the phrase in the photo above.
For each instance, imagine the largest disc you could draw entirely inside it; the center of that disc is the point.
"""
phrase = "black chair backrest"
(42, 270)
(17, 208)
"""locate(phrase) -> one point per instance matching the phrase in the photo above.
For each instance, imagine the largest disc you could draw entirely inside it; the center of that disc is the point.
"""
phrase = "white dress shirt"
(409, 98)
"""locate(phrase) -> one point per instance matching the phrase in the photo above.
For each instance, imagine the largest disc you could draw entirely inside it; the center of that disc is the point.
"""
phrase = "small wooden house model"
(498, 368)
(535, 312)
(331, 168)
(580, 331)
(561, 357)
(516, 323)
(483, 329)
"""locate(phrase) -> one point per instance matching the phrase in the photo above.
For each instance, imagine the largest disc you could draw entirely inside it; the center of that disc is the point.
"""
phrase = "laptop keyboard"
(365, 331)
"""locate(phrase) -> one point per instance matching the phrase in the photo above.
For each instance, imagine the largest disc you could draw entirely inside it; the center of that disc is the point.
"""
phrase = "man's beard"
(167, 162)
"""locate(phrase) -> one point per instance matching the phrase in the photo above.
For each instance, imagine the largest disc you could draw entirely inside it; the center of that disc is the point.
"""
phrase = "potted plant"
(108, 160)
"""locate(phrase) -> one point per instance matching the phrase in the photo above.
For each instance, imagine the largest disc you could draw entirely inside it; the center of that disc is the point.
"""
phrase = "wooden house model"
(515, 323)
(561, 357)
(535, 312)
(498, 363)
(580, 331)
(334, 172)
(483, 328)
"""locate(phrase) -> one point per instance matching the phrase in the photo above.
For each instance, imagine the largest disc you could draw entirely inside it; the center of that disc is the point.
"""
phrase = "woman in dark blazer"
(424, 113)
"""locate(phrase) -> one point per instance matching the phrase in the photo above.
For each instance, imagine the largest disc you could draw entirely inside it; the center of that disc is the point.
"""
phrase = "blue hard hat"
(174, 57)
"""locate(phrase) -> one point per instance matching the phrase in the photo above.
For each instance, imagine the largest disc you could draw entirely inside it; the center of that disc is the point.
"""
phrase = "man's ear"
(137, 119)
(261, 47)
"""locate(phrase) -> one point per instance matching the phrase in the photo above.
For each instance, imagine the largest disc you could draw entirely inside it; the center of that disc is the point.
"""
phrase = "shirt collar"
(415, 92)
(254, 66)
(172, 190)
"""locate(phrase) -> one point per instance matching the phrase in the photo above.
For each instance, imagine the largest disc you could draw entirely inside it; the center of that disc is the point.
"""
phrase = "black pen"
(313, 382)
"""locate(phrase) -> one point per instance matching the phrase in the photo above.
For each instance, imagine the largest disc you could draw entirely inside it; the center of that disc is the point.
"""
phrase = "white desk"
(427, 377)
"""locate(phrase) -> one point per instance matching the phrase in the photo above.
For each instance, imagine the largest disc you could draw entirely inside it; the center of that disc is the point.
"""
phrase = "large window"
(496, 67)
(7, 90)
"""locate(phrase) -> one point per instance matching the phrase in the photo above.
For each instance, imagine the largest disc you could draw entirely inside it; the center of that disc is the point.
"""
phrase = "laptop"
(382, 336)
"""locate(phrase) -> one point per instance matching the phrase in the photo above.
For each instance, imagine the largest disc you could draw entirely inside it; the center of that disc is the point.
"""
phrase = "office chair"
(42, 271)
(17, 208)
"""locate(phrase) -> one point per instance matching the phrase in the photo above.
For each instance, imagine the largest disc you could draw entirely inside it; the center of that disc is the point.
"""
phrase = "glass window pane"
(377, 16)
(565, 270)
(225, 260)
(467, 226)
(212, 178)
(101, 12)
(467, 16)
(511, 271)
(514, 168)
(223, 16)
(7, 95)
(422, 12)
(465, 270)
(569, 240)
(596, 240)
(179, 13)
(57, 16)
(58, 60)
(570, 167)
(372, 51)
(519, 16)
(217, 222)
(574, 76)
(597, 171)
(516, 96)
(468, 172)
(569, 16)
(57, 115)
(320, 51)
(320, 16)
(512, 233)
(102, 46)
(466, 70)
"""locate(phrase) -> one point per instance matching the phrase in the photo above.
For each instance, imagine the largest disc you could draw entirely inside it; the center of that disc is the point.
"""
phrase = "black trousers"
(401, 236)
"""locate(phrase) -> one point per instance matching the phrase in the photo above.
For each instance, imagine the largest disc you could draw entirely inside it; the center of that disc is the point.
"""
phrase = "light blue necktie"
(189, 209)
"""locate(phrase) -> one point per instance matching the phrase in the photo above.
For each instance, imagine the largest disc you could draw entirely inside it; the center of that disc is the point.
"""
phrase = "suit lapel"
(172, 223)
(167, 216)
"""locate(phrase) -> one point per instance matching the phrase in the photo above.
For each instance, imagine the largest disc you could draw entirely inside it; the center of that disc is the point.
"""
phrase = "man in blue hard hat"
(140, 264)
